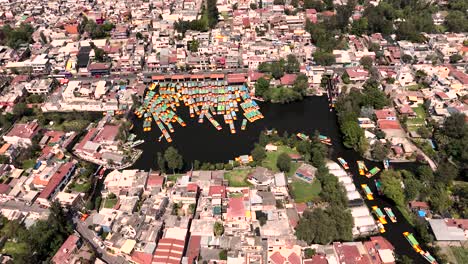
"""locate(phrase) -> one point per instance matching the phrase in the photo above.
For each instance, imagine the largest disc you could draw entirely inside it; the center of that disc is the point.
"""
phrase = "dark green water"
(204, 143)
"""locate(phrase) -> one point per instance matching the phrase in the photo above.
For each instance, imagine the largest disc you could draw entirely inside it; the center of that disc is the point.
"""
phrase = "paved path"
(87, 234)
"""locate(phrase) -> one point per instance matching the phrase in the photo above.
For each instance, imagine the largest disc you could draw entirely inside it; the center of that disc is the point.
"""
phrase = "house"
(288, 79)
(261, 176)
(386, 114)
(60, 178)
(449, 229)
(357, 74)
(306, 172)
(22, 134)
(65, 253)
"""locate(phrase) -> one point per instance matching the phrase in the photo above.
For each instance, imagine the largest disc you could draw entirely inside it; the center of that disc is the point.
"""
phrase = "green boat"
(372, 172)
(302, 136)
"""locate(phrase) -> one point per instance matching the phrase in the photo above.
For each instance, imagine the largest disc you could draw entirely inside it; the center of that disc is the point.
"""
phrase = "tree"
(456, 21)
(406, 58)
(446, 173)
(161, 162)
(173, 159)
(366, 62)
(391, 186)
(222, 254)
(455, 58)
(258, 153)
(218, 229)
(212, 13)
(261, 87)
(380, 151)
(283, 162)
(309, 253)
(193, 45)
(301, 84)
(324, 58)
(440, 199)
(292, 64)
(253, 6)
(352, 134)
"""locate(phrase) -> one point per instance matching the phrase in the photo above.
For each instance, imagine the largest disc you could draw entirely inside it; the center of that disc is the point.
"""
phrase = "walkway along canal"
(201, 142)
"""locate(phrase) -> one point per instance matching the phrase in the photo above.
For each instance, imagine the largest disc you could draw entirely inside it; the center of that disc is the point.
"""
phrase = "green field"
(237, 178)
(415, 122)
(270, 161)
(305, 192)
(82, 188)
(461, 254)
(110, 203)
(12, 248)
(27, 164)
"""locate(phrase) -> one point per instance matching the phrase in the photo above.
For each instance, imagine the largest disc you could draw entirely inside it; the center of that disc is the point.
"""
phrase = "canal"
(204, 143)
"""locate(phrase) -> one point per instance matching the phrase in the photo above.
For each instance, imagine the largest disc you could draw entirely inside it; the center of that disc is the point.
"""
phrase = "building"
(60, 178)
(449, 229)
(22, 134)
(69, 248)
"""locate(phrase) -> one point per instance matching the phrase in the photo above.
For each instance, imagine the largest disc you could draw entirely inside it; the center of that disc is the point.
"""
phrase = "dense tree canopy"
(173, 159)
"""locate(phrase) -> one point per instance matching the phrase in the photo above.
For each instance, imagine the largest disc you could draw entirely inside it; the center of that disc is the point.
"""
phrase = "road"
(88, 235)
(23, 207)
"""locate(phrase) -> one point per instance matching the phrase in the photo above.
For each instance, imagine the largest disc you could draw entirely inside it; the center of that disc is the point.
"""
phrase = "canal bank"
(204, 143)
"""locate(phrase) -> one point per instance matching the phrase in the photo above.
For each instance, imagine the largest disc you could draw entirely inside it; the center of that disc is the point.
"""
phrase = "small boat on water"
(381, 227)
(429, 257)
(390, 214)
(362, 167)
(137, 143)
(232, 128)
(367, 192)
(372, 172)
(413, 242)
(378, 186)
(343, 163)
(380, 215)
(324, 139)
(386, 164)
(303, 136)
(160, 138)
(244, 124)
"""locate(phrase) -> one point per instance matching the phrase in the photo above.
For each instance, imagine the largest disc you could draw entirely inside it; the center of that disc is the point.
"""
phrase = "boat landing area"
(205, 100)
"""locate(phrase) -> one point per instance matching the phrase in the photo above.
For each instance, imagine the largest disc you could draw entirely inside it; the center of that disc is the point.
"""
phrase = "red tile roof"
(236, 78)
(141, 257)
(192, 187)
(254, 75)
(277, 258)
(382, 242)
(169, 250)
(24, 130)
(107, 133)
(68, 247)
(155, 180)
(301, 207)
(317, 259)
(193, 249)
(216, 190)
(388, 124)
(4, 188)
(385, 113)
(56, 179)
(71, 29)
(294, 259)
(86, 138)
(236, 207)
(459, 75)
(288, 79)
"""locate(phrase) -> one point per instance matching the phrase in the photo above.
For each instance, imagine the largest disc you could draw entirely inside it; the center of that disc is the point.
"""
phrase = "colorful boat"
(390, 214)
(232, 128)
(372, 172)
(368, 192)
(362, 167)
(302, 136)
(386, 164)
(343, 163)
(244, 124)
(429, 257)
(414, 243)
(381, 227)
(380, 215)
(324, 139)
(378, 186)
